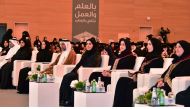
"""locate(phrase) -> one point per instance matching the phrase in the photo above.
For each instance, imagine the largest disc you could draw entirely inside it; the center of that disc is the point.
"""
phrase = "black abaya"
(23, 53)
(66, 92)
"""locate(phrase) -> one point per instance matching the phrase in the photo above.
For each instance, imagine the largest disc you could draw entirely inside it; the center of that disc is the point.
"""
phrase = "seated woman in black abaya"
(125, 85)
(90, 58)
(44, 55)
(179, 66)
(183, 97)
(5, 48)
(24, 53)
(124, 60)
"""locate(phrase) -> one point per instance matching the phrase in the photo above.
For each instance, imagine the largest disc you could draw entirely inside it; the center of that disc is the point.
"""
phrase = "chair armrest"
(60, 70)
(101, 69)
(26, 64)
(147, 80)
(159, 71)
(43, 65)
(180, 84)
(16, 70)
(85, 72)
(116, 74)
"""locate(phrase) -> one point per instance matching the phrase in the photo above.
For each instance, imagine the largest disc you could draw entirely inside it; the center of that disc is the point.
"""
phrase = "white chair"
(85, 72)
(167, 63)
(44, 65)
(180, 84)
(68, 68)
(146, 81)
(20, 64)
(115, 75)
(60, 70)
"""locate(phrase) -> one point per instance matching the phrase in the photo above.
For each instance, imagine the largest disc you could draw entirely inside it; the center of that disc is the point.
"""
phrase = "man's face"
(63, 46)
(11, 44)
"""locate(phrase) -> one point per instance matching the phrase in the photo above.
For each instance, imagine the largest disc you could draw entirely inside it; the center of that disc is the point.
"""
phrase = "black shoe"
(22, 92)
(12, 87)
(66, 104)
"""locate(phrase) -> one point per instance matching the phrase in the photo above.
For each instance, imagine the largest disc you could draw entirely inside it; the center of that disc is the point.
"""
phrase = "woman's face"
(112, 45)
(179, 50)
(6, 44)
(133, 47)
(122, 46)
(22, 44)
(82, 45)
(89, 45)
(53, 49)
(104, 52)
(43, 45)
(58, 49)
(150, 46)
(37, 37)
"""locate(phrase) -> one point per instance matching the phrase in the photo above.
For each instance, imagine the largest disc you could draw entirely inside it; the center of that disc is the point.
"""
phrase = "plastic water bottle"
(99, 81)
(99, 85)
(94, 86)
(38, 78)
(87, 86)
(158, 90)
(44, 79)
(162, 98)
(154, 97)
(38, 72)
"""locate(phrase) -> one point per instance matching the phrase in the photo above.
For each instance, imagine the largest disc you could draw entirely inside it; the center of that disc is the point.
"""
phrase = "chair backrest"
(54, 57)
(167, 62)
(34, 55)
(78, 57)
(138, 63)
(180, 83)
(105, 60)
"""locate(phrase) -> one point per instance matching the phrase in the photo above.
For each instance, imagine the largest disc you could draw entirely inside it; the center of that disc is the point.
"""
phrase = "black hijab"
(44, 55)
(138, 52)
(186, 47)
(27, 43)
(24, 53)
(127, 51)
(4, 46)
(110, 52)
(94, 48)
(157, 49)
(5, 49)
(47, 47)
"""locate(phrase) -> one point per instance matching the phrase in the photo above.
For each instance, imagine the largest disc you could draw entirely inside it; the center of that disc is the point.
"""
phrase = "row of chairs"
(58, 70)
(144, 81)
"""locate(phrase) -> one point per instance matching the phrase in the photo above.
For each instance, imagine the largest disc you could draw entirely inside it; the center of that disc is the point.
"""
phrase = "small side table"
(43, 94)
(82, 99)
(145, 105)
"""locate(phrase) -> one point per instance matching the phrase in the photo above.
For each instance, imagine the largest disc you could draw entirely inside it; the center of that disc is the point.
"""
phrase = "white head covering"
(65, 54)
(13, 50)
(1, 49)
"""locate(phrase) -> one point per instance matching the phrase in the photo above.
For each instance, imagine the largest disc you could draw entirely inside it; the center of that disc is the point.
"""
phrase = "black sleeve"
(163, 75)
(22, 55)
(158, 63)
